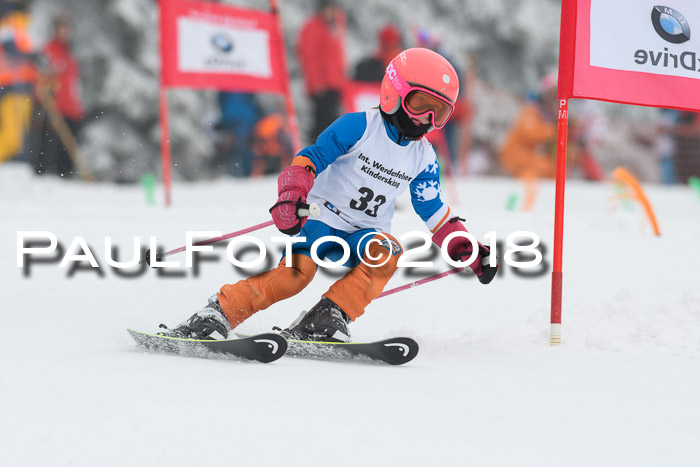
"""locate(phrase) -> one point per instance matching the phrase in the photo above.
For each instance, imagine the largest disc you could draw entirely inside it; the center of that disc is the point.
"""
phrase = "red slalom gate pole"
(288, 100)
(562, 125)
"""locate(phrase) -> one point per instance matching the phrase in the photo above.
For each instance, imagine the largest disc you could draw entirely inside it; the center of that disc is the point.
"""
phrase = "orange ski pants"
(352, 293)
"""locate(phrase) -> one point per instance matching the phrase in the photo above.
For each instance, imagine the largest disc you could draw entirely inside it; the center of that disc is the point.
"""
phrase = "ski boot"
(324, 322)
(202, 324)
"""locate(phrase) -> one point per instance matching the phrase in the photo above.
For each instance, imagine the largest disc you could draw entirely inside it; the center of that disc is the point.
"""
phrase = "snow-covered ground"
(486, 388)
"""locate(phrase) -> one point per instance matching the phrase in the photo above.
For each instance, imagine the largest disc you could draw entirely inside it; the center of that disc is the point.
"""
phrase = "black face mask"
(406, 127)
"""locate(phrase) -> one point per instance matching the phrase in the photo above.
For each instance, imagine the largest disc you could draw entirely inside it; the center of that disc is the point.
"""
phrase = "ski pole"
(420, 282)
(304, 211)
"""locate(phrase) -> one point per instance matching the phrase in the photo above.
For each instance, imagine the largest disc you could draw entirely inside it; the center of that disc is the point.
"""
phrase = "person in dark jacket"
(371, 69)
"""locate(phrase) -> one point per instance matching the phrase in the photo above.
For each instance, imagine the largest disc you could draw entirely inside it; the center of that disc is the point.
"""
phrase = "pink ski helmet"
(422, 82)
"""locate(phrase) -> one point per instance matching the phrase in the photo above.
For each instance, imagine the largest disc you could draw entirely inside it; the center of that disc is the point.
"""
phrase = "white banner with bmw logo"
(208, 47)
(645, 36)
(641, 52)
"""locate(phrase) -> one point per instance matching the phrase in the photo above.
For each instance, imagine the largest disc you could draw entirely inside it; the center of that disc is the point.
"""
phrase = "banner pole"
(288, 100)
(562, 126)
(163, 110)
(165, 144)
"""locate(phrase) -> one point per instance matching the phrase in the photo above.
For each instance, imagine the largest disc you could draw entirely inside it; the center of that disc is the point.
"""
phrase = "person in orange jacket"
(272, 145)
(17, 77)
(527, 150)
(322, 56)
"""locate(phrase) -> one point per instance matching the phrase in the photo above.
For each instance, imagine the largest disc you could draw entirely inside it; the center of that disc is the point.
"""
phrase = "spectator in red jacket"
(322, 55)
(63, 88)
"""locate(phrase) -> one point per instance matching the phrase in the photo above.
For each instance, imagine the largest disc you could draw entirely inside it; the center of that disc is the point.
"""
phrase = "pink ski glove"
(293, 186)
(460, 249)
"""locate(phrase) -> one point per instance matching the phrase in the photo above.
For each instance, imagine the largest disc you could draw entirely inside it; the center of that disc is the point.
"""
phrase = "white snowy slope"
(486, 388)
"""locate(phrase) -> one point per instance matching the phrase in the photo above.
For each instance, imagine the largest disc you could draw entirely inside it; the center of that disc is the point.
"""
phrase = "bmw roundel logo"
(670, 24)
(222, 42)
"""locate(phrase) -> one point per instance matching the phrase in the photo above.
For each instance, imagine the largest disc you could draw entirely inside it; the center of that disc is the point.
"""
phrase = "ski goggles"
(420, 101)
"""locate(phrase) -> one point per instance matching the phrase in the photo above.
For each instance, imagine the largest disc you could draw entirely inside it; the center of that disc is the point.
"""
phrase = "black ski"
(394, 351)
(264, 348)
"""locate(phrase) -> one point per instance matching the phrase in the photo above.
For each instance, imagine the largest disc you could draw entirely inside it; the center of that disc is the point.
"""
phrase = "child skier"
(356, 169)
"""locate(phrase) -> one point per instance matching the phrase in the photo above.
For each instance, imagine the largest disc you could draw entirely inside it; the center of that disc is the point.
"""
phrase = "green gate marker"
(149, 185)
(694, 182)
(624, 197)
(511, 201)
